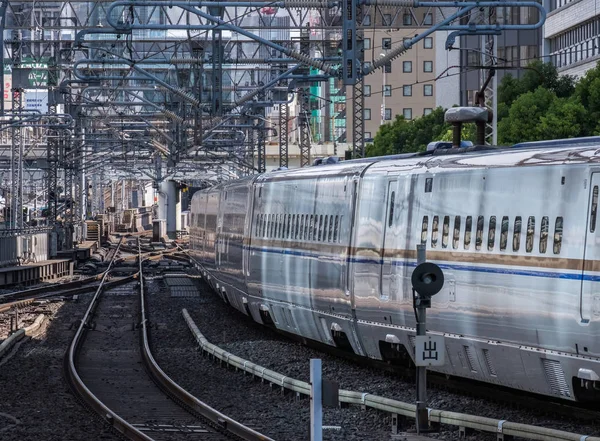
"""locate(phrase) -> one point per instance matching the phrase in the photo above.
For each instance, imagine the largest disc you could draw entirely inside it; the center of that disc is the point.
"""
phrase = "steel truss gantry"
(183, 89)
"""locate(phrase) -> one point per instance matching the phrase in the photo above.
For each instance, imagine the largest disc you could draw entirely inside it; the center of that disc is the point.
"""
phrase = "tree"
(402, 136)
(587, 91)
(523, 121)
(564, 119)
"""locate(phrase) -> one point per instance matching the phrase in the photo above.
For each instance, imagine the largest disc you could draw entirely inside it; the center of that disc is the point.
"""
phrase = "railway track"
(109, 365)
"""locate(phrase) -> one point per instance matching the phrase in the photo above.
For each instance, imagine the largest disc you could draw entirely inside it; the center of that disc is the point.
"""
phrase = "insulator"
(394, 53)
(399, 3)
(306, 59)
(307, 4)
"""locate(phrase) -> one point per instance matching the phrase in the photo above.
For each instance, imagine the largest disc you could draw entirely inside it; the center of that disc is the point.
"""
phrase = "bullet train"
(327, 253)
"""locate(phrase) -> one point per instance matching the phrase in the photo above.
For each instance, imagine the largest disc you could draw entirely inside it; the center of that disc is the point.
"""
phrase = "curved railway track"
(111, 368)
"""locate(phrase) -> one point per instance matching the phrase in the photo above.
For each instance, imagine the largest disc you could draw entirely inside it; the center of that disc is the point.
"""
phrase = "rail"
(483, 424)
(77, 384)
(182, 395)
(155, 371)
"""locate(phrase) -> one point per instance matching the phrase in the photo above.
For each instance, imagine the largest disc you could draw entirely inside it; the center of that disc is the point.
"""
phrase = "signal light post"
(427, 280)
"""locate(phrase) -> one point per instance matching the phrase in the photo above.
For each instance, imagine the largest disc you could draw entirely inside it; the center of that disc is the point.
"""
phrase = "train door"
(388, 282)
(589, 289)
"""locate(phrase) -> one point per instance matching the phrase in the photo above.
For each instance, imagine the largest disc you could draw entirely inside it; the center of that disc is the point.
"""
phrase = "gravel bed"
(240, 335)
(33, 389)
(27, 315)
(249, 401)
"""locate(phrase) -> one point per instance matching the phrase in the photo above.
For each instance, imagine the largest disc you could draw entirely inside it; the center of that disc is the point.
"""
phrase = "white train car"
(327, 253)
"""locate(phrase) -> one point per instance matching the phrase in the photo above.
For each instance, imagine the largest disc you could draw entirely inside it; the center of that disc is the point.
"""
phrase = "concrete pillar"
(169, 206)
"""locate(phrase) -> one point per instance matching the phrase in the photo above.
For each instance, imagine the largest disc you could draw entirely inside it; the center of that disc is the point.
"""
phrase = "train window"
(320, 230)
(273, 225)
(479, 233)
(544, 229)
(428, 185)
(281, 226)
(297, 229)
(456, 235)
(530, 233)
(325, 221)
(468, 227)
(269, 224)
(504, 233)
(434, 231)
(594, 209)
(311, 227)
(306, 224)
(262, 226)
(301, 231)
(445, 231)
(558, 232)
(256, 225)
(492, 233)
(424, 229)
(391, 217)
(288, 220)
(336, 228)
(517, 234)
(330, 237)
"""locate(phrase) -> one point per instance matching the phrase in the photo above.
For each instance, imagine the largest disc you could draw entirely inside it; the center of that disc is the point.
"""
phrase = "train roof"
(528, 154)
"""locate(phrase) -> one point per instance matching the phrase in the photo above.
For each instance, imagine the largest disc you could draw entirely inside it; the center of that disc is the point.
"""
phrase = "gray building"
(516, 49)
(572, 35)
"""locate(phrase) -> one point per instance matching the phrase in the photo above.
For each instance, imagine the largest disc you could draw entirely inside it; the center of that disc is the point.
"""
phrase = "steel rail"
(180, 394)
(77, 385)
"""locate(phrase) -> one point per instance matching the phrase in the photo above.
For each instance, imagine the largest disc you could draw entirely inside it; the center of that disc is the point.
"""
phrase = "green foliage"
(402, 136)
(540, 105)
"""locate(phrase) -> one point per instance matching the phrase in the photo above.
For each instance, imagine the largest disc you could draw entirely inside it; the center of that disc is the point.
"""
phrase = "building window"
(387, 19)
(386, 43)
(407, 19)
(387, 114)
(367, 20)
(427, 111)
(367, 114)
(387, 90)
(428, 43)
(367, 43)
(407, 113)
(407, 90)
(424, 230)
(428, 90)
(407, 66)
(388, 67)
(367, 90)
(427, 66)
(428, 19)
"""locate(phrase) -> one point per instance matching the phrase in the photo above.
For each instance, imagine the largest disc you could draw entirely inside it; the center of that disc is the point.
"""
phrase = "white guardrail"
(501, 427)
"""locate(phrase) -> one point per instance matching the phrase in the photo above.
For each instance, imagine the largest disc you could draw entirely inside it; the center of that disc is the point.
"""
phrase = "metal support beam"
(16, 165)
(283, 134)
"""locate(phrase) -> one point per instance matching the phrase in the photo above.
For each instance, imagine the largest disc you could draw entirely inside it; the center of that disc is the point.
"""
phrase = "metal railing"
(394, 407)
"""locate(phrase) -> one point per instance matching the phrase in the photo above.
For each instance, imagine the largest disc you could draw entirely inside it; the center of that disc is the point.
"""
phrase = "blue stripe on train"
(480, 269)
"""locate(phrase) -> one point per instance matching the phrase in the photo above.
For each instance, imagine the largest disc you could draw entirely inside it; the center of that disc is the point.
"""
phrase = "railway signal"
(427, 280)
